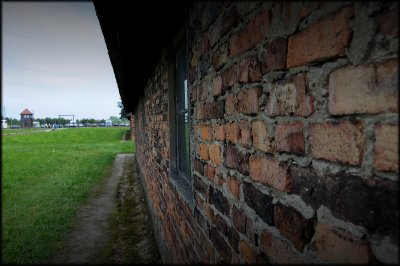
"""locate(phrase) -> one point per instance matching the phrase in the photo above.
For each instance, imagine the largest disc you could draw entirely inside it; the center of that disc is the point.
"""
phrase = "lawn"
(45, 178)
(21, 130)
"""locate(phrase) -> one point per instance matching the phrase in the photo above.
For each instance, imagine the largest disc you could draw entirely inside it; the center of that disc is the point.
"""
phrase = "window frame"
(182, 183)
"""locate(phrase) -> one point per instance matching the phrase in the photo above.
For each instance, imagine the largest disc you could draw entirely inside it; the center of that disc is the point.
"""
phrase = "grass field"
(16, 131)
(45, 178)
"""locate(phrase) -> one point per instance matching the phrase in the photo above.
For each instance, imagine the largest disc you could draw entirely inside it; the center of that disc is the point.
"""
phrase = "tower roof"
(26, 112)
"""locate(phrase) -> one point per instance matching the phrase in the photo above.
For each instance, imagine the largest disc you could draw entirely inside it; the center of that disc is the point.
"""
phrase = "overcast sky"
(55, 61)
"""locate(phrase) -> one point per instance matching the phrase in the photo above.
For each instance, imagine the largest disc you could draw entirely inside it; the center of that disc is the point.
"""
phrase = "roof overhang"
(135, 36)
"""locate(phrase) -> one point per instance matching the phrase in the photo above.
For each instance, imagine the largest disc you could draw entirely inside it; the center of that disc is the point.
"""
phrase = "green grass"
(19, 130)
(46, 177)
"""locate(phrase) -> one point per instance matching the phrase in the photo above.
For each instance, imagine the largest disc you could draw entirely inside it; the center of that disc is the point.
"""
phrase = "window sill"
(184, 187)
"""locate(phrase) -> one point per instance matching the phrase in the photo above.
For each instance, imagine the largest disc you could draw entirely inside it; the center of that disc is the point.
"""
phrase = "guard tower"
(26, 119)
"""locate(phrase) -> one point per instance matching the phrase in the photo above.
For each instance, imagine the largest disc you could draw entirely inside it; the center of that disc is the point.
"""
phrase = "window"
(182, 111)
(179, 116)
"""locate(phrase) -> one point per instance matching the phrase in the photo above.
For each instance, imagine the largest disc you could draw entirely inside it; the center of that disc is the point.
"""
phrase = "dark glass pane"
(183, 144)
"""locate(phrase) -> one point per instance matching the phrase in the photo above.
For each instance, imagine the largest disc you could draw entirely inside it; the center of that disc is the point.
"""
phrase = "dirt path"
(114, 227)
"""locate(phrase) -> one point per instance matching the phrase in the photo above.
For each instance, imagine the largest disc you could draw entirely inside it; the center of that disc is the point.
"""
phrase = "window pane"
(183, 144)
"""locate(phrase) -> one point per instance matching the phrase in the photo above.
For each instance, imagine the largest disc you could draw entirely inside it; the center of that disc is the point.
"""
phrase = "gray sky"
(55, 61)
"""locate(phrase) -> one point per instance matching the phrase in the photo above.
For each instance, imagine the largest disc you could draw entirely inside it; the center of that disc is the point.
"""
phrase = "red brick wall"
(294, 112)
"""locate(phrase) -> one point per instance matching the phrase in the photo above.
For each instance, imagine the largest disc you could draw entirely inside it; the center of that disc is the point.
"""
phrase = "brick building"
(265, 131)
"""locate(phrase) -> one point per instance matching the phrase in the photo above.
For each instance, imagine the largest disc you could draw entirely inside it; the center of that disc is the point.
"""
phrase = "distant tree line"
(63, 121)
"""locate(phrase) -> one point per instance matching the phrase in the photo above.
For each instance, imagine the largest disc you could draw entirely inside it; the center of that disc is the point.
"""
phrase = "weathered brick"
(219, 223)
(388, 21)
(202, 151)
(209, 172)
(387, 148)
(288, 97)
(270, 172)
(215, 153)
(212, 110)
(338, 142)
(261, 139)
(203, 90)
(204, 44)
(259, 202)
(277, 250)
(234, 186)
(370, 88)
(336, 245)
(249, 70)
(249, 253)
(275, 56)
(220, 202)
(201, 220)
(199, 166)
(370, 202)
(230, 104)
(233, 239)
(205, 132)
(229, 77)
(219, 132)
(232, 132)
(222, 247)
(328, 36)
(289, 137)
(248, 100)
(239, 219)
(233, 158)
(217, 85)
(223, 25)
(293, 225)
(219, 56)
(245, 134)
(252, 33)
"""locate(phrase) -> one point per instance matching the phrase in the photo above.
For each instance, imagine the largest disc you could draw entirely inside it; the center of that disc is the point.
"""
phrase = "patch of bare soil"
(114, 227)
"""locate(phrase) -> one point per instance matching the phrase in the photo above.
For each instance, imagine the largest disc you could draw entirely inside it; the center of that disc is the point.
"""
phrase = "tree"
(122, 114)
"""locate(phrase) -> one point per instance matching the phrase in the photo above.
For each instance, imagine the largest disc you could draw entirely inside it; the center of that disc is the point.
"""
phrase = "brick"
(387, 148)
(336, 245)
(270, 172)
(234, 186)
(289, 137)
(248, 100)
(259, 202)
(230, 104)
(275, 56)
(222, 247)
(229, 77)
(245, 134)
(388, 22)
(338, 142)
(205, 132)
(217, 85)
(215, 153)
(249, 253)
(219, 223)
(199, 166)
(277, 250)
(201, 220)
(219, 56)
(220, 202)
(293, 225)
(212, 110)
(369, 88)
(239, 219)
(328, 36)
(203, 90)
(255, 30)
(232, 132)
(249, 70)
(233, 158)
(344, 194)
(203, 151)
(219, 132)
(204, 44)
(288, 97)
(209, 172)
(233, 239)
(261, 139)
